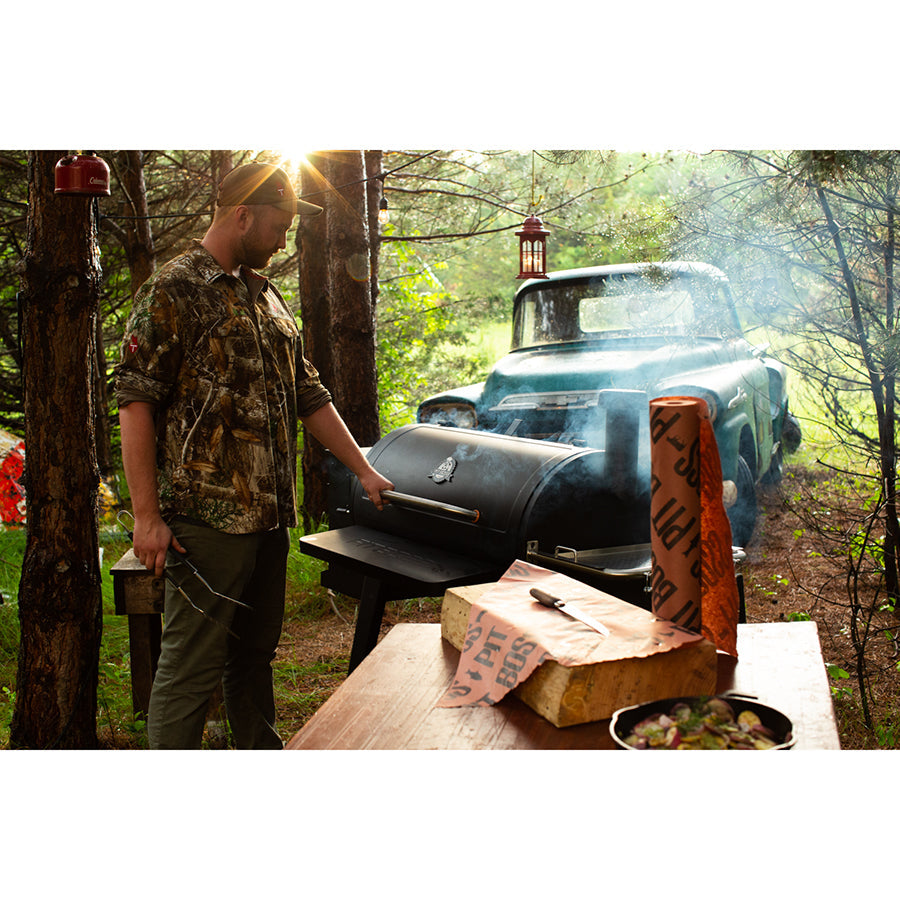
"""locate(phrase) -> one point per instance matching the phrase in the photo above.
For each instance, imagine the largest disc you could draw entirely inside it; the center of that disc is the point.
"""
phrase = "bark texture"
(60, 608)
(338, 289)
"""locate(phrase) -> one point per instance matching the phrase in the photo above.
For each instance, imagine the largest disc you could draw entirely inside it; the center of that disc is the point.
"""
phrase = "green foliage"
(799, 617)
(839, 691)
(13, 209)
(887, 733)
(862, 542)
(599, 207)
(423, 337)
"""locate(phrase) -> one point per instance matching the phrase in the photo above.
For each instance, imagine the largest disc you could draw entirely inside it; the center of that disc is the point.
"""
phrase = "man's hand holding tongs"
(151, 538)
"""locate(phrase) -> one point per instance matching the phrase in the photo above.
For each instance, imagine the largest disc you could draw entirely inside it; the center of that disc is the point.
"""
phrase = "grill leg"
(368, 620)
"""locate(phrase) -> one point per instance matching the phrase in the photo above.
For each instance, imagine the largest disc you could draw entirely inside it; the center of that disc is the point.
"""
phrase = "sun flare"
(292, 161)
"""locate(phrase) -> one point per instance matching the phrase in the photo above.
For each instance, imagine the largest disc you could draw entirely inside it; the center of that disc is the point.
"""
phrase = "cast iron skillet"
(625, 719)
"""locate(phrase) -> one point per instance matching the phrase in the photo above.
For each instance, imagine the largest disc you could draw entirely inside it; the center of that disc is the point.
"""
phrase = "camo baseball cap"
(261, 184)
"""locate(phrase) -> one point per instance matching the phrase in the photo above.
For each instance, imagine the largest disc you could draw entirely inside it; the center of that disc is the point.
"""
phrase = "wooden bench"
(139, 595)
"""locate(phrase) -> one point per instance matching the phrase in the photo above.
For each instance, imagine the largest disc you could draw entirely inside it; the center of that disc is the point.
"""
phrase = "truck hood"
(622, 364)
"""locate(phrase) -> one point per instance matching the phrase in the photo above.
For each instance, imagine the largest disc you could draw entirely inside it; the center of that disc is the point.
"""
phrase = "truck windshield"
(624, 305)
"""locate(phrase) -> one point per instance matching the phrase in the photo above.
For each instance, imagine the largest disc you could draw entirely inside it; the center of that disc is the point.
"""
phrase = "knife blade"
(557, 603)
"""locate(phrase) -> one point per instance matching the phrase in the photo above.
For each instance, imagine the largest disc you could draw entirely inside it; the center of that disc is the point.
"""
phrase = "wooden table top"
(388, 702)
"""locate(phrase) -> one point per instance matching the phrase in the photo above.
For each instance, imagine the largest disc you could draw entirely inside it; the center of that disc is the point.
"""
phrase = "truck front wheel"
(743, 513)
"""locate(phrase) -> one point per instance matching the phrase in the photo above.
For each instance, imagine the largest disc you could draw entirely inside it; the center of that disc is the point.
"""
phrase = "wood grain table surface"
(389, 701)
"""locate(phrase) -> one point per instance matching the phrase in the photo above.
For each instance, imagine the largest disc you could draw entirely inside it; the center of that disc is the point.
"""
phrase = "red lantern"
(83, 175)
(532, 249)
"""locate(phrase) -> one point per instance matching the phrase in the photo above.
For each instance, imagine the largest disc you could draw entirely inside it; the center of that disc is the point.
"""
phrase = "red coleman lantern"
(83, 175)
(532, 249)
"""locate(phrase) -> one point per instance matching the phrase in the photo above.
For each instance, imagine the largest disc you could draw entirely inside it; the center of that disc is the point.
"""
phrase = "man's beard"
(254, 254)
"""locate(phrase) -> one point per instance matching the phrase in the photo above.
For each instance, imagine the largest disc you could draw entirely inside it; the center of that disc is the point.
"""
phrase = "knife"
(556, 603)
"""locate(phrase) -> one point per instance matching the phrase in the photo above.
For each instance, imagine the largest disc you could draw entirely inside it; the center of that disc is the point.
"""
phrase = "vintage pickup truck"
(589, 341)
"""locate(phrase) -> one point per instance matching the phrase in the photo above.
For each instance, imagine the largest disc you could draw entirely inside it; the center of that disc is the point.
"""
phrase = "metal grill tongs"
(193, 571)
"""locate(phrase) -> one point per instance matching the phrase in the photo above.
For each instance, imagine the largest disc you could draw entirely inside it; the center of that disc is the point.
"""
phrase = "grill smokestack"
(624, 410)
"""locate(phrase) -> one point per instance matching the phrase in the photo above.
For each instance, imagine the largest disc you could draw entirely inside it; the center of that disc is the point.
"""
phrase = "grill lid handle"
(435, 506)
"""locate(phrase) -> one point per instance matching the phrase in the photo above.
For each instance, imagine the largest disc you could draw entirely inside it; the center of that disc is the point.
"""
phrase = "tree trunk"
(889, 434)
(139, 249)
(352, 305)
(60, 609)
(315, 311)
(337, 294)
(375, 188)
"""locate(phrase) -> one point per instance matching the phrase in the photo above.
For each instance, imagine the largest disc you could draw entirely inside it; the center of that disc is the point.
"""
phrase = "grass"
(492, 340)
(116, 724)
(114, 688)
(12, 547)
(301, 689)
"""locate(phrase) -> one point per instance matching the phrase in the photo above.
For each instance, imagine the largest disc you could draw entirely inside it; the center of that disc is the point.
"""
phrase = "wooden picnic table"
(389, 701)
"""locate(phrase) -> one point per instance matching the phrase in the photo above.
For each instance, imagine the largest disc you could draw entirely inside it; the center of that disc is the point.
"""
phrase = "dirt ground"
(790, 572)
(798, 565)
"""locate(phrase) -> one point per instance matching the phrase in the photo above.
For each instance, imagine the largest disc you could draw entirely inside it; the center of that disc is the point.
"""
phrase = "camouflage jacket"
(219, 357)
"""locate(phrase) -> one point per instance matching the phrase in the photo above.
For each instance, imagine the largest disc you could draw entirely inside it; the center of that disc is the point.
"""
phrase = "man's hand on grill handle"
(373, 483)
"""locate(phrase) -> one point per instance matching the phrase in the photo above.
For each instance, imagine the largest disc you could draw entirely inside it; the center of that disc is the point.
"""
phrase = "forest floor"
(795, 569)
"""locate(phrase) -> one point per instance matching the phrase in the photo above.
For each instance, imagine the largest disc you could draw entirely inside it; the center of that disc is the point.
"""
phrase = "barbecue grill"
(466, 505)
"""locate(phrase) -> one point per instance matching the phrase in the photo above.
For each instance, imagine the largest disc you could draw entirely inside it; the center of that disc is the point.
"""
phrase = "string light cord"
(331, 190)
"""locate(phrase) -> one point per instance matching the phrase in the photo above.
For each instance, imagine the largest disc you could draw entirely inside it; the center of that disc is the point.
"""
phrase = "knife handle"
(546, 599)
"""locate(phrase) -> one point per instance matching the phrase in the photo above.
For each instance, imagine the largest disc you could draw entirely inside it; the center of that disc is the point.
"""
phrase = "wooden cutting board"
(573, 695)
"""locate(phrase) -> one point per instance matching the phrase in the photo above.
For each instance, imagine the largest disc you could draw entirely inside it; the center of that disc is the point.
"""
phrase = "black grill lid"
(522, 490)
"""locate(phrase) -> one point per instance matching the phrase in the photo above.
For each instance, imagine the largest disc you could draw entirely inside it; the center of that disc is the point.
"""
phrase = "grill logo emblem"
(444, 472)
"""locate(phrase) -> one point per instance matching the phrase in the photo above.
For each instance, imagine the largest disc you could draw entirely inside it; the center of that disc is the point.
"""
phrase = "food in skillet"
(704, 724)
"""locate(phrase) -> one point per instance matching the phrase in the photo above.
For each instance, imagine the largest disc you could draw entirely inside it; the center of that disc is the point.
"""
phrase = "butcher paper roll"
(692, 579)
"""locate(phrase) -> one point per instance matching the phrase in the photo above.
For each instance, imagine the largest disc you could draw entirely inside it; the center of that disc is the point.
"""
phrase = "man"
(211, 383)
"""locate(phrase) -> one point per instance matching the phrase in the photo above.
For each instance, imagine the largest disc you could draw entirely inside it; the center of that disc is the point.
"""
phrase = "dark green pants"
(197, 653)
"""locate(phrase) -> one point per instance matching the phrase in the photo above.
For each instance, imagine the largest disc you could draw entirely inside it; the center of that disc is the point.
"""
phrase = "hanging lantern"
(82, 174)
(532, 249)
